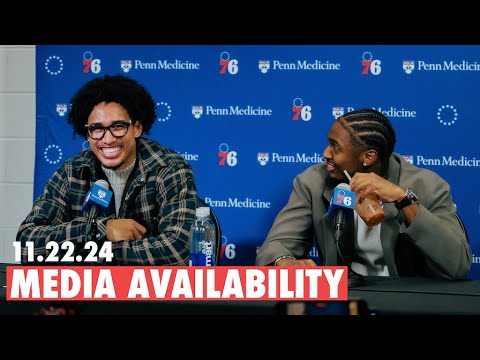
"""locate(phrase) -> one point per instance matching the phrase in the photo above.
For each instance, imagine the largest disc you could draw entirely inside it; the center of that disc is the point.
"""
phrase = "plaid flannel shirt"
(160, 194)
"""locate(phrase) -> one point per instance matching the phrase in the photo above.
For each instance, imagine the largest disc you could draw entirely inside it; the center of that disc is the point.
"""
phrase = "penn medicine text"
(448, 66)
(448, 161)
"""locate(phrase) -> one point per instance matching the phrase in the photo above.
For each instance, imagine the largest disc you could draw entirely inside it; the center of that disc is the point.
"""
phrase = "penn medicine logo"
(264, 66)
(298, 65)
(101, 194)
(236, 202)
(126, 65)
(408, 66)
(232, 110)
(408, 158)
(389, 111)
(263, 158)
(450, 161)
(445, 65)
(159, 64)
(61, 109)
(197, 111)
(337, 112)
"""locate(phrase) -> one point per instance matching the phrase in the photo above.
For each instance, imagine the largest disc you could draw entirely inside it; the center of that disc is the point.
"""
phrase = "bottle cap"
(203, 211)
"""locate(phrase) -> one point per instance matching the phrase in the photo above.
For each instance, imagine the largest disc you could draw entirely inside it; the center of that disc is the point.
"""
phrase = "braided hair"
(370, 129)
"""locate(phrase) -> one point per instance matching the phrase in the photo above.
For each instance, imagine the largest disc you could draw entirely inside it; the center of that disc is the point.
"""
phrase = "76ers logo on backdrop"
(226, 155)
(227, 64)
(301, 111)
(370, 65)
(90, 64)
(227, 251)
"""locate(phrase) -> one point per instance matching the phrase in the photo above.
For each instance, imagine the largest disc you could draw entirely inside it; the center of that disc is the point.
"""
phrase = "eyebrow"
(113, 122)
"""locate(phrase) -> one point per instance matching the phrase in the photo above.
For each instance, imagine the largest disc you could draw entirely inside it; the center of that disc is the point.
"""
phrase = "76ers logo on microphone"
(343, 198)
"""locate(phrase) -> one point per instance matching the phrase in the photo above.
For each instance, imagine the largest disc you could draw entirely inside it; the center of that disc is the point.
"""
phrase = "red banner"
(176, 283)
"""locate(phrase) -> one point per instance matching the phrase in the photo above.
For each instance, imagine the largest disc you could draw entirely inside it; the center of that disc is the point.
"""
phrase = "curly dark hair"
(118, 89)
(369, 128)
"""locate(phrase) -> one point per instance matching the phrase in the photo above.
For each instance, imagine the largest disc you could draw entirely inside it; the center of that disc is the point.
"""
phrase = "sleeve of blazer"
(436, 231)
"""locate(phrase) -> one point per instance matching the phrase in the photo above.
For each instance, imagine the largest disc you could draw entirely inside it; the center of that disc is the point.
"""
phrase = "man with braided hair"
(420, 234)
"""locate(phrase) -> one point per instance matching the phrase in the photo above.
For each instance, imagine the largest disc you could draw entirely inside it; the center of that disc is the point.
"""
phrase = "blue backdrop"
(249, 118)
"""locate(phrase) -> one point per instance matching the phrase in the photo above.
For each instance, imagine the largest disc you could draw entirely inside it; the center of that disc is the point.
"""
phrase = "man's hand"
(295, 262)
(124, 229)
(371, 183)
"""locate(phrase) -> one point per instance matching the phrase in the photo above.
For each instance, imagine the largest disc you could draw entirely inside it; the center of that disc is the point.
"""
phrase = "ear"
(137, 129)
(370, 157)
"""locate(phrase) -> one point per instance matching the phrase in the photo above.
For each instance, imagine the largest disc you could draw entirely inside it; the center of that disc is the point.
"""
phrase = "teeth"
(110, 151)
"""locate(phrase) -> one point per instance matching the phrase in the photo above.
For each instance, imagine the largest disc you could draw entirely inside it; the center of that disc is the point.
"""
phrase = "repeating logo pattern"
(236, 127)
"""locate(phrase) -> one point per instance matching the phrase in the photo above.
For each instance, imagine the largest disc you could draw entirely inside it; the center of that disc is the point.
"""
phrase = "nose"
(327, 153)
(108, 138)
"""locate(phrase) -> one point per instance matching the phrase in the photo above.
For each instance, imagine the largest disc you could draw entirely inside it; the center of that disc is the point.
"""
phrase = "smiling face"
(112, 152)
(341, 153)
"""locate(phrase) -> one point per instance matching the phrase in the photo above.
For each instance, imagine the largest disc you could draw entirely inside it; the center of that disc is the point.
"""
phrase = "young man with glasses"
(154, 193)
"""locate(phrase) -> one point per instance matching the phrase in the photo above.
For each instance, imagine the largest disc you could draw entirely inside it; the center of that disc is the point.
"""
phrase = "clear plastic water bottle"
(202, 239)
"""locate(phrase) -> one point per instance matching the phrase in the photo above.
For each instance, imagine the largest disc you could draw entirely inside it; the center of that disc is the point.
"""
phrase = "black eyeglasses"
(118, 129)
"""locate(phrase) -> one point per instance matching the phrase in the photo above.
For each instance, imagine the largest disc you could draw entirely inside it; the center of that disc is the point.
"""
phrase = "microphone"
(97, 198)
(342, 204)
